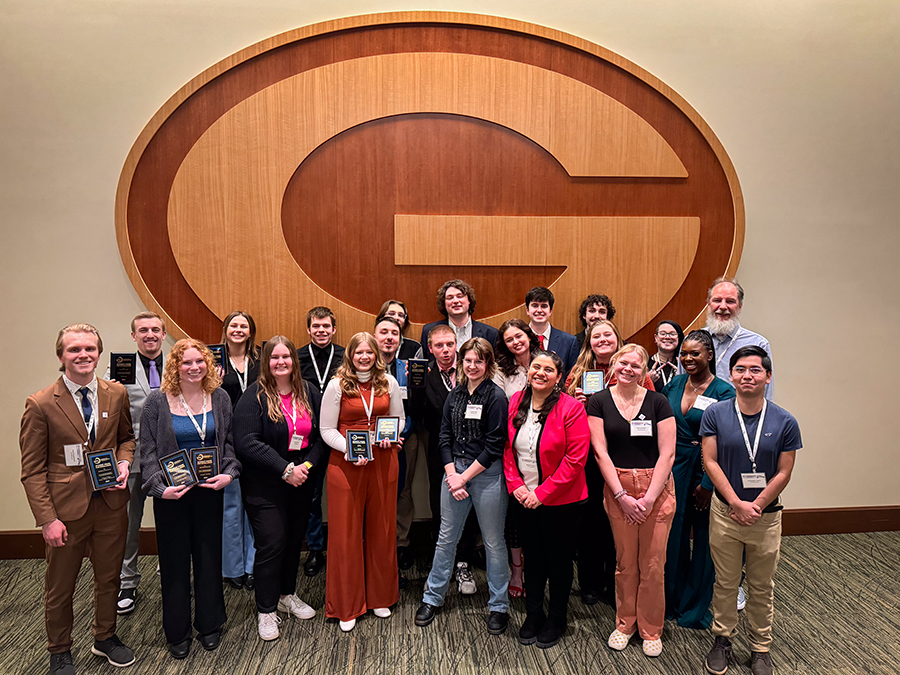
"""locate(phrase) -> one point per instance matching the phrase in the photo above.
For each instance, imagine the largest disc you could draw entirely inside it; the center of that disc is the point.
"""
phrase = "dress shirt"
(728, 345)
(463, 333)
(74, 389)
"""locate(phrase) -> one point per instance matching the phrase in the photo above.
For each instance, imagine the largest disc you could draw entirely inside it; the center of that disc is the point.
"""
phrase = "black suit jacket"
(479, 329)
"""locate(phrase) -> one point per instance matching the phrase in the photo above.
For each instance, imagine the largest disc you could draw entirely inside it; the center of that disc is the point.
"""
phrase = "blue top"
(186, 435)
(781, 433)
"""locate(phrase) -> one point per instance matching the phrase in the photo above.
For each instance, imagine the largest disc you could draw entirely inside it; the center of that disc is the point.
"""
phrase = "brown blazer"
(52, 420)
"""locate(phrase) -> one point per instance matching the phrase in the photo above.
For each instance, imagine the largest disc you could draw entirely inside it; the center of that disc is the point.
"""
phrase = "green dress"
(689, 571)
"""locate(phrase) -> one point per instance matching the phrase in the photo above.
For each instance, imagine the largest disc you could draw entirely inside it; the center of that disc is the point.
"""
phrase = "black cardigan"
(262, 445)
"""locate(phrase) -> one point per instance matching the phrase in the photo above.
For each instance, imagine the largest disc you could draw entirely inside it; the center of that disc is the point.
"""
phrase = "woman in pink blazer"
(548, 445)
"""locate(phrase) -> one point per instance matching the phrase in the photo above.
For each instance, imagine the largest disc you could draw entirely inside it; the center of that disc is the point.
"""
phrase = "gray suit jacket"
(137, 396)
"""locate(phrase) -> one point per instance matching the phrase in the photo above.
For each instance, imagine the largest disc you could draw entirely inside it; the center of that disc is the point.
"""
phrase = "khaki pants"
(727, 543)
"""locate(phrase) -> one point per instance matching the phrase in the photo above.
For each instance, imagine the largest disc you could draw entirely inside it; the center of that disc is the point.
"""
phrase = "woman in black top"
(239, 371)
(277, 436)
(664, 363)
(633, 436)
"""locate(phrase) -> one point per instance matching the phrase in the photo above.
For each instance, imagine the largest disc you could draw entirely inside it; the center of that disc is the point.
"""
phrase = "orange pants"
(362, 569)
(641, 555)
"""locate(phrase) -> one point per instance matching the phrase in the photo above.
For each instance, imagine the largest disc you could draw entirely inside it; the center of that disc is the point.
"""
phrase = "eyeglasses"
(753, 370)
(668, 335)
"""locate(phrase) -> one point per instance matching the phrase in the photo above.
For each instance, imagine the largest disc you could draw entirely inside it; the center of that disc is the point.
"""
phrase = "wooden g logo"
(374, 157)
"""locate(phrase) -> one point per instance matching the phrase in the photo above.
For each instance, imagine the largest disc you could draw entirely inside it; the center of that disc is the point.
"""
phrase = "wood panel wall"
(374, 157)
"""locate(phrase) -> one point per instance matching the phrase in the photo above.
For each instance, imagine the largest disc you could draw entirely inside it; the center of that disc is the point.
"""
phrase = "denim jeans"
(488, 495)
(238, 553)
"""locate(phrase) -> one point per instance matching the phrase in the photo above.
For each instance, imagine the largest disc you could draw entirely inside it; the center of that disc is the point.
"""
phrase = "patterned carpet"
(837, 611)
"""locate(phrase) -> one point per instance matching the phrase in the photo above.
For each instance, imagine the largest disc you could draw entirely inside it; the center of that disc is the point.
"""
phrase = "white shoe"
(653, 647)
(294, 605)
(742, 598)
(268, 626)
(618, 640)
(347, 626)
(382, 612)
(465, 579)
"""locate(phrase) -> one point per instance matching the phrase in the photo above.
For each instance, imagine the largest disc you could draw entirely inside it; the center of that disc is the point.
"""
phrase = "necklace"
(627, 410)
(702, 384)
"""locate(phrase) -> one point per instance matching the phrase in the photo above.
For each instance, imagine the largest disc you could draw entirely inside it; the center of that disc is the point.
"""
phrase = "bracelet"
(289, 469)
(308, 465)
(621, 492)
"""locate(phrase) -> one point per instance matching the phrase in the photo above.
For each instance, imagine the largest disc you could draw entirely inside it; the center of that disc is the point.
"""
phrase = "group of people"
(660, 474)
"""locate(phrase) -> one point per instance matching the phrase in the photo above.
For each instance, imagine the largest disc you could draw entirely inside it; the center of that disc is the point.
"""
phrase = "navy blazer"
(566, 346)
(479, 329)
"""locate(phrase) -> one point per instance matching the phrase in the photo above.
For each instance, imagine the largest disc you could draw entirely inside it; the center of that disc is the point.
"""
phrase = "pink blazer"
(563, 448)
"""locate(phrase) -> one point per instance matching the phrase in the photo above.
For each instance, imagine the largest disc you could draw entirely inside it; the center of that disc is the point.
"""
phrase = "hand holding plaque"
(359, 445)
(593, 381)
(123, 367)
(178, 469)
(387, 429)
(218, 352)
(418, 369)
(206, 463)
(102, 468)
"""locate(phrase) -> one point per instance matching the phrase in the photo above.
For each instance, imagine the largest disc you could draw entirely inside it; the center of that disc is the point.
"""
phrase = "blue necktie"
(87, 410)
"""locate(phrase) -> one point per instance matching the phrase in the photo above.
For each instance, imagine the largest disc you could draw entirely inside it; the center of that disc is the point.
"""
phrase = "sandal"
(618, 640)
(516, 592)
(652, 647)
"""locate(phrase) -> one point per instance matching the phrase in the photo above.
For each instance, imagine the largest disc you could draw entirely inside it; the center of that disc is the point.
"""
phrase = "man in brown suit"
(78, 413)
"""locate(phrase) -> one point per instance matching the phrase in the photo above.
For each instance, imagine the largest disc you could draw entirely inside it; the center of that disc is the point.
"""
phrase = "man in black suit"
(593, 308)
(456, 301)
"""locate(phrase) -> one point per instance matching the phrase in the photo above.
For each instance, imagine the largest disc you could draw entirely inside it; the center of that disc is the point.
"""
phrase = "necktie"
(87, 409)
(447, 381)
(541, 341)
(153, 375)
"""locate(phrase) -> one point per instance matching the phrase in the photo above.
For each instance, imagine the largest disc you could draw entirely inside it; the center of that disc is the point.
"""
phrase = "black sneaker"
(249, 582)
(126, 601)
(498, 623)
(550, 634)
(61, 664)
(234, 582)
(590, 597)
(530, 627)
(115, 652)
(315, 561)
(761, 664)
(404, 557)
(719, 656)
(425, 614)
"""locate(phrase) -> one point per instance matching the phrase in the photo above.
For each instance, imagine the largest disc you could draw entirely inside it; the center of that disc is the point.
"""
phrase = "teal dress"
(689, 570)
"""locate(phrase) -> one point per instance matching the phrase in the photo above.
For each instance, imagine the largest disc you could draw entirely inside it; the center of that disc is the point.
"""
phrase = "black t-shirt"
(627, 451)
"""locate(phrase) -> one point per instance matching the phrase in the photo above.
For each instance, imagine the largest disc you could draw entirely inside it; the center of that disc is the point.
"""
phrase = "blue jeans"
(238, 553)
(488, 495)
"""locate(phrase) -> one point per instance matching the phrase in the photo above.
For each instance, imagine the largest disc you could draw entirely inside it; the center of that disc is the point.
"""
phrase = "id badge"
(753, 480)
(473, 411)
(703, 402)
(371, 438)
(404, 392)
(641, 427)
(296, 442)
(74, 454)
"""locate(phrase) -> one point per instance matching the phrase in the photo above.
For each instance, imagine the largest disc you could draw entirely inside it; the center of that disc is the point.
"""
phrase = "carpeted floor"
(837, 612)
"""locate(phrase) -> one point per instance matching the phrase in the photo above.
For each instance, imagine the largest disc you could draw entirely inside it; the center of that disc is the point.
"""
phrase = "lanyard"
(319, 377)
(368, 408)
(762, 418)
(293, 414)
(720, 350)
(241, 380)
(661, 370)
(201, 431)
(93, 421)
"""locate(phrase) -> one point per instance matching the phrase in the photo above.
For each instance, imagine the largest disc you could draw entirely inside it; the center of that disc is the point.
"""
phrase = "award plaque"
(123, 367)
(387, 429)
(102, 468)
(218, 352)
(178, 469)
(593, 381)
(418, 368)
(358, 444)
(206, 462)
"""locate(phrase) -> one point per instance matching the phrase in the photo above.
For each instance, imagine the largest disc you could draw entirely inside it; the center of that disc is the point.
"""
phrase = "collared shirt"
(481, 439)
(728, 345)
(545, 335)
(463, 333)
(74, 389)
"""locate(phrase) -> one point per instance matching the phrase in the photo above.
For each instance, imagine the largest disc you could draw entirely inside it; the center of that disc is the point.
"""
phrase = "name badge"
(641, 427)
(473, 412)
(703, 402)
(296, 442)
(74, 454)
(404, 393)
(753, 480)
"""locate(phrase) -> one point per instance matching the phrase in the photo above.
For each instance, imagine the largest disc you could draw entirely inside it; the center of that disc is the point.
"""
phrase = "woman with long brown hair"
(189, 411)
(362, 570)
(277, 438)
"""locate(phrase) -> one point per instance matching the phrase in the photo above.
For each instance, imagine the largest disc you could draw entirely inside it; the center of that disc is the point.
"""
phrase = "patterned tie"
(541, 341)
(87, 410)
(153, 376)
(447, 381)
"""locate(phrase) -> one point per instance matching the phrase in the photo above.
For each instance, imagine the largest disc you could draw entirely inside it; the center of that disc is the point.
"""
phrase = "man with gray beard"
(725, 299)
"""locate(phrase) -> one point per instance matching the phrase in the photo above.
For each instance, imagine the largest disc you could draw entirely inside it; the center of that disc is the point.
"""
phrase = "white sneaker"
(268, 626)
(347, 626)
(465, 579)
(294, 605)
(742, 598)
(382, 612)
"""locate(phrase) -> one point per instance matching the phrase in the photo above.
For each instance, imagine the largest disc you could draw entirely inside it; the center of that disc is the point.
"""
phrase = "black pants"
(190, 530)
(596, 547)
(548, 539)
(278, 513)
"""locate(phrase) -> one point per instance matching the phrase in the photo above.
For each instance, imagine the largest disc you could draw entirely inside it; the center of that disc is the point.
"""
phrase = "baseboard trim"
(22, 544)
